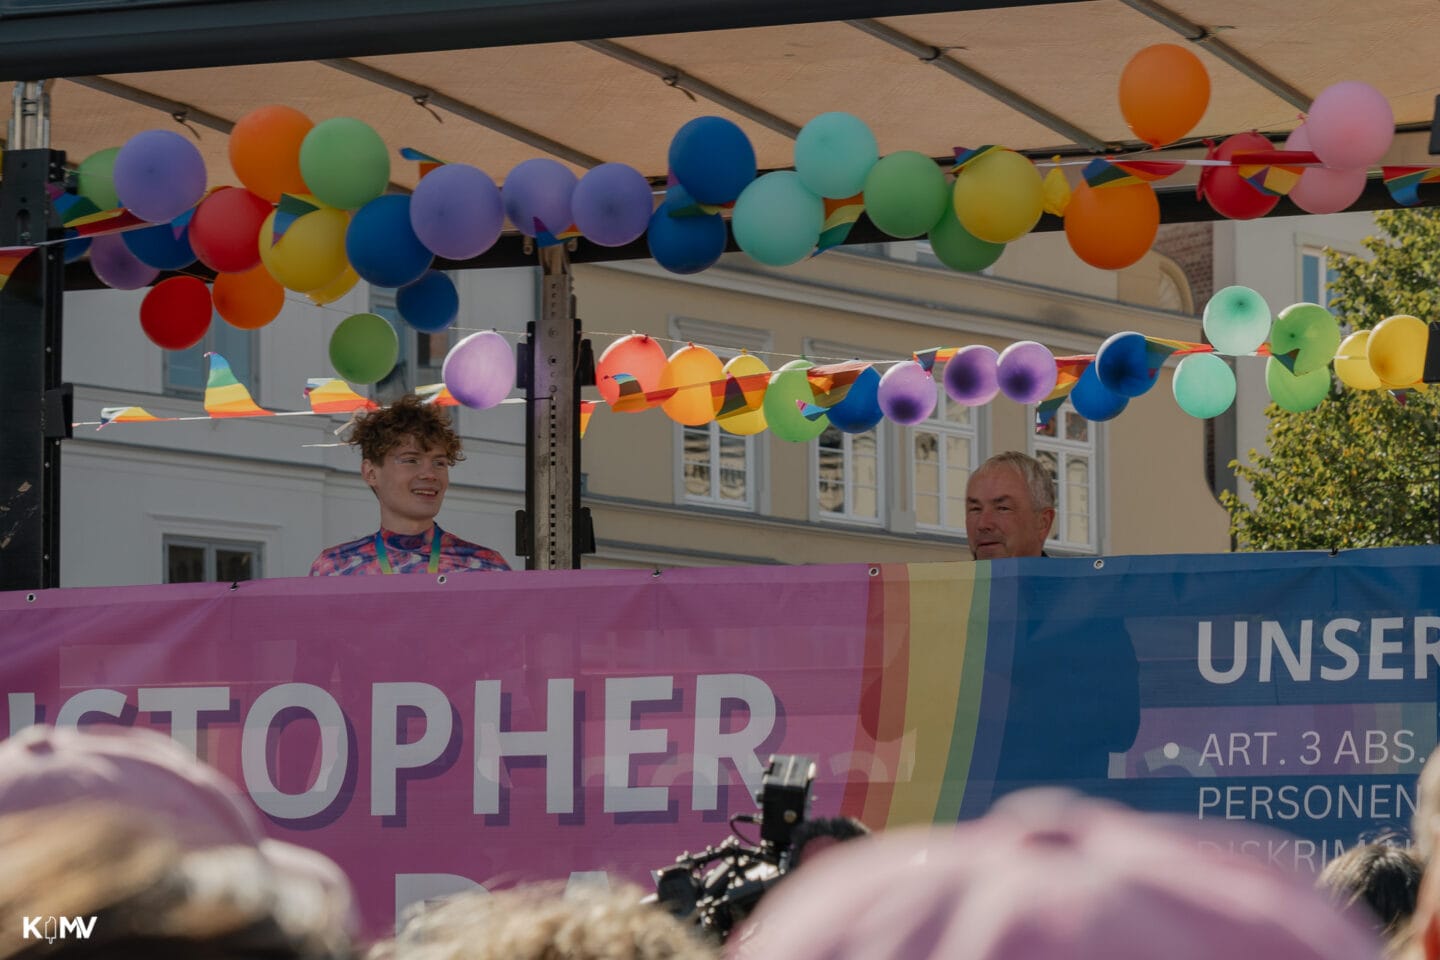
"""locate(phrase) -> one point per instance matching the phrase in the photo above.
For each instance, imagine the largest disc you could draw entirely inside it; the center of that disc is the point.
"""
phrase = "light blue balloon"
(1237, 320)
(1204, 385)
(833, 154)
(776, 220)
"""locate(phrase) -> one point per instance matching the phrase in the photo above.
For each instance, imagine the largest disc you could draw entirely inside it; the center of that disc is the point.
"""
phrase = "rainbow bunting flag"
(126, 415)
(438, 394)
(10, 258)
(1404, 182)
(227, 397)
(965, 155)
(1159, 349)
(1101, 172)
(290, 209)
(427, 162)
(545, 238)
(840, 217)
(1273, 180)
(831, 381)
(106, 221)
(631, 397)
(810, 411)
(742, 394)
(71, 207)
(587, 410)
(683, 205)
(1068, 371)
(329, 395)
(927, 358)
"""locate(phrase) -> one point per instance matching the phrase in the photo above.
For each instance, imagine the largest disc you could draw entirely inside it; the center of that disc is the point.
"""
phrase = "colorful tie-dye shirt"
(408, 553)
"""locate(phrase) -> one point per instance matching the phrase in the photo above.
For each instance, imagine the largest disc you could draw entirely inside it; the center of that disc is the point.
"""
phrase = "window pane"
(185, 369)
(1047, 430)
(1077, 470)
(1076, 427)
(696, 465)
(831, 471)
(867, 502)
(927, 509)
(927, 447)
(1047, 460)
(957, 413)
(1310, 278)
(957, 453)
(1078, 529)
(233, 565)
(184, 564)
(733, 468)
(237, 347)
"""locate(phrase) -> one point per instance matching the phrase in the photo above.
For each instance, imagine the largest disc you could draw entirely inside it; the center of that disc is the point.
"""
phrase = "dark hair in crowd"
(1382, 879)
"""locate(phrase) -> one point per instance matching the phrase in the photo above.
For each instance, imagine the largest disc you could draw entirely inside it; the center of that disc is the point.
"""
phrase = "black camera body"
(718, 887)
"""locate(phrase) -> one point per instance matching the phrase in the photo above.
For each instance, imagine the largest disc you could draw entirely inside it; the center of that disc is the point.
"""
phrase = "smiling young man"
(1009, 507)
(408, 450)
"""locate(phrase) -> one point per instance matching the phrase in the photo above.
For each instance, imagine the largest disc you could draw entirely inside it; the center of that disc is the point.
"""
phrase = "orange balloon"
(695, 372)
(1112, 227)
(1164, 91)
(627, 370)
(265, 151)
(248, 300)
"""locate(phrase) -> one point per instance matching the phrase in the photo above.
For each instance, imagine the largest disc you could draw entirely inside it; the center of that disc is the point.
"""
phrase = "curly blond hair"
(545, 922)
(378, 432)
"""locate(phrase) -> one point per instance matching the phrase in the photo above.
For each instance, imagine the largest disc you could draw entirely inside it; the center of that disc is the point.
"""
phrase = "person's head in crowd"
(814, 836)
(1051, 875)
(139, 894)
(1425, 823)
(407, 450)
(1009, 507)
(545, 922)
(1379, 881)
(146, 776)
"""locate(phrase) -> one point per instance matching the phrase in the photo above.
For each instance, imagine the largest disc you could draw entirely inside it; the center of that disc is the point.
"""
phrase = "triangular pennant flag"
(840, 217)
(1067, 374)
(545, 238)
(71, 207)
(437, 394)
(965, 155)
(736, 399)
(329, 395)
(1404, 182)
(1046, 409)
(290, 209)
(831, 381)
(110, 415)
(1102, 172)
(631, 397)
(927, 358)
(178, 225)
(10, 258)
(1158, 350)
(810, 411)
(427, 162)
(1273, 180)
(227, 397)
(1287, 360)
(107, 221)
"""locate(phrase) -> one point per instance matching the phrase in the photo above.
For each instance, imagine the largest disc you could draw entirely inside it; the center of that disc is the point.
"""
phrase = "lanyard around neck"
(384, 556)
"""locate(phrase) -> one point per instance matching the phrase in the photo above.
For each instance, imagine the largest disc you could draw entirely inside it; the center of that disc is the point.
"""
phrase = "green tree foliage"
(1362, 469)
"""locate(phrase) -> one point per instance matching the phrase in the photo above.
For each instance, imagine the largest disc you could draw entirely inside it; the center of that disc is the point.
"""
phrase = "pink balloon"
(1322, 190)
(1350, 125)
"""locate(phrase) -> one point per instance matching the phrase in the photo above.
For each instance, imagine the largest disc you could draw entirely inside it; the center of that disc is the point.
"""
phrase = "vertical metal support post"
(552, 438)
(35, 407)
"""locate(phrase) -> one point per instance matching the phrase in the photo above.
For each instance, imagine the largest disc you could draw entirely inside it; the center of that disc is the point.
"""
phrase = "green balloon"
(789, 384)
(776, 220)
(958, 248)
(1296, 394)
(1237, 321)
(344, 163)
(1204, 385)
(364, 348)
(905, 194)
(95, 180)
(1306, 335)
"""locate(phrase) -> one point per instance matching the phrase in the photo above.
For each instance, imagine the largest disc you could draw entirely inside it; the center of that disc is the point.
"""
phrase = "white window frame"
(1322, 251)
(1064, 449)
(210, 545)
(937, 424)
(882, 493)
(726, 341)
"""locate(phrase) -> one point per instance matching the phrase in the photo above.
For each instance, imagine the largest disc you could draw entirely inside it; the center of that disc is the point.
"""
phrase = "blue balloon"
(1123, 364)
(713, 159)
(158, 247)
(1093, 400)
(382, 245)
(685, 244)
(430, 304)
(860, 410)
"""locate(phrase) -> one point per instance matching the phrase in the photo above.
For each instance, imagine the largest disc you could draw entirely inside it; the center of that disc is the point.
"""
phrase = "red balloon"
(225, 228)
(176, 313)
(1224, 189)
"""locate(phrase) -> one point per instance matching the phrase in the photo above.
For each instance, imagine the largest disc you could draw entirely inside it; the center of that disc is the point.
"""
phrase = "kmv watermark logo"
(53, 928)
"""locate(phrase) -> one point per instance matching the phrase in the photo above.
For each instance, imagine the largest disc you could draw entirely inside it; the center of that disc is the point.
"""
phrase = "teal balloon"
(1305, 337)
(958, 248)
(95, 179)
(833, 154)
(788, 385)
(1204, 385)
(1237, 321)
(1296, 394)
(344, 163)
(364, 348)
(905, 194)
(776, 220)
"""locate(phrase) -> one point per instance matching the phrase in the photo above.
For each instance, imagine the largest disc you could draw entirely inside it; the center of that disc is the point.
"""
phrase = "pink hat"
(1051, 875)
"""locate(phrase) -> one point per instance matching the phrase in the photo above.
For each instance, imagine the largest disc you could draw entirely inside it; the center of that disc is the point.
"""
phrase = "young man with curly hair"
(408, 449)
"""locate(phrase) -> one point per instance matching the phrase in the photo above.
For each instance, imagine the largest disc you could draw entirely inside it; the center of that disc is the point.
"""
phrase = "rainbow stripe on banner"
(925, 645)
(227, 397)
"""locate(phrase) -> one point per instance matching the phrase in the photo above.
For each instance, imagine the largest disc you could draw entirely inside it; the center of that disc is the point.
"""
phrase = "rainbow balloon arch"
(313, 217)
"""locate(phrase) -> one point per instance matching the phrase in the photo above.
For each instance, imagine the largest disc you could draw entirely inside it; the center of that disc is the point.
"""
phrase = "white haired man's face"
(1001, 519)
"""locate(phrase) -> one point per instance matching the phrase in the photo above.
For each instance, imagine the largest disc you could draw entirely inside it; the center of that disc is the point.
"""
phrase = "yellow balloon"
(751, 377)
(999, 196)
(1397, 349)
(1352, 365)
(311, 253)
(696, 373)
(336, 288)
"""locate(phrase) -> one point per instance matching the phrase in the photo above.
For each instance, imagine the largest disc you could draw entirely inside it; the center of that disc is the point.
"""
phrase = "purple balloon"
(479, 371)
(970, 375)
(539, 189)
(116, 266)
(1026, 372)
(456, 211)
(159, 175)
(612, 205)
(907, 393)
